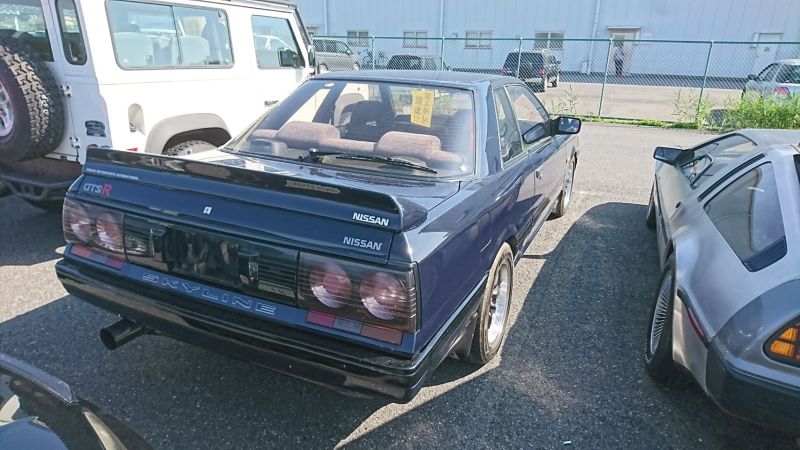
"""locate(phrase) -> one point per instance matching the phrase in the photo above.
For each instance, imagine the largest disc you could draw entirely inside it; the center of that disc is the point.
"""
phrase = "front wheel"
(492, 325)
(658, 349)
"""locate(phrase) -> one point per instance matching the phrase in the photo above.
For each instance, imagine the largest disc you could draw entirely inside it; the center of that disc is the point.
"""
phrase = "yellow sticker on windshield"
(422, 107)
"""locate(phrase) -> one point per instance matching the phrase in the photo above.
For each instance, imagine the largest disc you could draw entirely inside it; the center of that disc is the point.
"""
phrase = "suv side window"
(151, 36)
(342, 48)
(71, 34)
(747, 213)
(530, 115)
(274, 39)
(507, 129)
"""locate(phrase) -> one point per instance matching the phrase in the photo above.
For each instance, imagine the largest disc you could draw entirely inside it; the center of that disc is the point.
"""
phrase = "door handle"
(269, 103)
(538, 174)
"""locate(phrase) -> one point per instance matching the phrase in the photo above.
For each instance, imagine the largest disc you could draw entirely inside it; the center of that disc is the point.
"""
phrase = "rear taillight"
(542, 72)
(93, 226)
(785, 345)
(358, 292)
(782, 91)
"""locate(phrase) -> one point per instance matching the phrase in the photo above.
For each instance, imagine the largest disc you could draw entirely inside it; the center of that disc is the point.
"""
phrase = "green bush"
(753, 111)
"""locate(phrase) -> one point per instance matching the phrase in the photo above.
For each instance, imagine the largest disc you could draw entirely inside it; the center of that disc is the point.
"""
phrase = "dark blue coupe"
(356, 235)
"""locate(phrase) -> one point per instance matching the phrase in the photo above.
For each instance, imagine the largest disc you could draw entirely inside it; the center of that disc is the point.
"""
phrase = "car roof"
(420, 76)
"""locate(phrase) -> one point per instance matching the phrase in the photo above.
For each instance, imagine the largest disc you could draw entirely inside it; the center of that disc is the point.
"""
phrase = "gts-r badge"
(371, 219)
(362, 243)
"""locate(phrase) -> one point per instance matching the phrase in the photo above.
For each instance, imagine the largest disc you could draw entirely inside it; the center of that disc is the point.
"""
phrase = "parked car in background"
(333, 54)
(359, 233)
(537, 68)
(779, 79)
(39, 411)
(415, 62)
(726, 310)
(169, 78)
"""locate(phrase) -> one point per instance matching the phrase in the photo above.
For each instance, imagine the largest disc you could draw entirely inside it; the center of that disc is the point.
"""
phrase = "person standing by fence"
(619, 58)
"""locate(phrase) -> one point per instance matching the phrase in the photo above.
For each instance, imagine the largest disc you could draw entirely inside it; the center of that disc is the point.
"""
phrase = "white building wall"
(719, 20)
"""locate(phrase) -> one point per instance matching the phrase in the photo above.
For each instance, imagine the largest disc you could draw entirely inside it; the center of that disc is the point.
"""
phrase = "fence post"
(441, 54)
(372, 49)
(705, 76)
(519, 55)
(605, 77)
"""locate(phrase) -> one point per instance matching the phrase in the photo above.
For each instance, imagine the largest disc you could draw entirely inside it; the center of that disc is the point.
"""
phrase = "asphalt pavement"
(570, 374)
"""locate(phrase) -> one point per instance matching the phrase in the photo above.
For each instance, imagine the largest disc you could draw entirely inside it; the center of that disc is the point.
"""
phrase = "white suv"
(165, 77)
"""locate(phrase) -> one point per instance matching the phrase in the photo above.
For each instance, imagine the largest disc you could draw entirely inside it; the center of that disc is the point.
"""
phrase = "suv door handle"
(270, 102)
(538, 174)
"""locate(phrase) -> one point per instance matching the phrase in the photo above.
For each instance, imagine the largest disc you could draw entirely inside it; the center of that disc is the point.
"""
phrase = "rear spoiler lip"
(104, 162)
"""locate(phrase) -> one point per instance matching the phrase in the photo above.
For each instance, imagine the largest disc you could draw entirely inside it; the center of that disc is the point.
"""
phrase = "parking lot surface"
(570, 374)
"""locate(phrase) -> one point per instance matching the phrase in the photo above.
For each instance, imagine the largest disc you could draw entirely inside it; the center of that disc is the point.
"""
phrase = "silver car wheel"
(663, 304)
(498, 308)
(6, 112)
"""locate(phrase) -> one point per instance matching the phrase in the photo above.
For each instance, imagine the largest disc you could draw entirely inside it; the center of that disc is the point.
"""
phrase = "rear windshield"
(526, 58)
(396, 129)
(788, 74)
(26, 17)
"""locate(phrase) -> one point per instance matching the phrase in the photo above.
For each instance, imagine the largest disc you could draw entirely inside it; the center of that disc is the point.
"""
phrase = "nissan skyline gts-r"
(356, 235)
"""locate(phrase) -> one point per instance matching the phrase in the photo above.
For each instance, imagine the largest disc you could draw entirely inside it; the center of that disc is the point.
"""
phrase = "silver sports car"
(727, 310)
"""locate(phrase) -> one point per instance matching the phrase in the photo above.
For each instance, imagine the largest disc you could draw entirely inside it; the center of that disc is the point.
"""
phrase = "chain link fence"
(671, 81)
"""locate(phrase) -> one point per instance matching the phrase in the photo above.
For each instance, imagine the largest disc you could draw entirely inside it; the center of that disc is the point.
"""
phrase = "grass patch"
(754, 111)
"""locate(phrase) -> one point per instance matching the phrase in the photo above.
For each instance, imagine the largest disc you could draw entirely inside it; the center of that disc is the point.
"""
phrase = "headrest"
(425, 147)
(306, 134)
(367, 111)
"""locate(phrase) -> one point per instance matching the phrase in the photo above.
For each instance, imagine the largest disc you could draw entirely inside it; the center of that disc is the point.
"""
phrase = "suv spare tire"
(31, 105)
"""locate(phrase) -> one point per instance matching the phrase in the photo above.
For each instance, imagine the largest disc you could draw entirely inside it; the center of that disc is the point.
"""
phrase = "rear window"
(26, 17)
(526, 58)
(788, 74)
(747, 214)
(422, 130)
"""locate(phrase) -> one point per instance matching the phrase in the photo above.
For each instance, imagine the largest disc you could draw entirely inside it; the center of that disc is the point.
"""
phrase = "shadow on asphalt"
(571, 369)
(34, 233)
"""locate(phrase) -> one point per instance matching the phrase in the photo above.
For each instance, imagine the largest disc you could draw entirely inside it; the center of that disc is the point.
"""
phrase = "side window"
(768, 73)
(747, 214)
(71, 34)
(204, 39)
(342, 48)
(708, 159)
(27, 18)
(532, 121)
(275, 44)
(157, 36)
(507, 130)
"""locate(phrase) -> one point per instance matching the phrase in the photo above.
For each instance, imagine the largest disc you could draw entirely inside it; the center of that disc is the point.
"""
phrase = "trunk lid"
(301, 206)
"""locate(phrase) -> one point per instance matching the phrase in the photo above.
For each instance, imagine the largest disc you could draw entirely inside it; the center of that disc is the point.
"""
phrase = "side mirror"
(566, 125)
(668, 155)
(288, 58)
(751, 77)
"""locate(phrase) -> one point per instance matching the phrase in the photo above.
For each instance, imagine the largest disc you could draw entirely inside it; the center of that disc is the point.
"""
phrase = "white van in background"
(166, 77)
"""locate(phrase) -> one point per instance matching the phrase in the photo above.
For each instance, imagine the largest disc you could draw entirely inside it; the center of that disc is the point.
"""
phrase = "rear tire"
(189, 147)
(492, 324)
(658, 360)
(31, 105)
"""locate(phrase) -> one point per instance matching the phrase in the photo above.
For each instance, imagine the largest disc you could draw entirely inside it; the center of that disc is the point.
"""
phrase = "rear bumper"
(40, 179)
(751, 398)
(318, 359)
